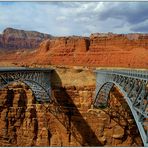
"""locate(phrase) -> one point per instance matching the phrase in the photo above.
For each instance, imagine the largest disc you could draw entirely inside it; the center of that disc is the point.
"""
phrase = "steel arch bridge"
(38, 79)
(134, 86)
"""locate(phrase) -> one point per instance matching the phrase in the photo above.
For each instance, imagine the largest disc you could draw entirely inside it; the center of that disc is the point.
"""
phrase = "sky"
(75, 18)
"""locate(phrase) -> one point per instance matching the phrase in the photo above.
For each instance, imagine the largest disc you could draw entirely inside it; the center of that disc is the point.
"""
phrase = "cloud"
(133, 12)
(61, 18)
(141, 27)
(75, 18)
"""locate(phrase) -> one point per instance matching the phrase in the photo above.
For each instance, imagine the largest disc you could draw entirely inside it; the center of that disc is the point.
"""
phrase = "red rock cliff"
(18, 39)
(66, 44)
(115, 50)
(62, 50)
(98, 50)
(118, 41)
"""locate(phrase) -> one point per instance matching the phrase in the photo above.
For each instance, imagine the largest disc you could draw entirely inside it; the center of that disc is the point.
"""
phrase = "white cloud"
(61, 18)
(99, 7)
(82, 19)
(75, 18)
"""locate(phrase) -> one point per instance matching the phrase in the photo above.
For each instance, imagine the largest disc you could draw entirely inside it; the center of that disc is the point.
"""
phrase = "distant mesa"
(19, 39)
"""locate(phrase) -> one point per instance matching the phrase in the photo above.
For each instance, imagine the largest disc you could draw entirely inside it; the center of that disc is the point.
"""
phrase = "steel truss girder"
(38, 81)
(135, 90)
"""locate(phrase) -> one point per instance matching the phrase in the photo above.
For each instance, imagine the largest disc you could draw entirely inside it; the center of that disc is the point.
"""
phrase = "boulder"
(118, 132)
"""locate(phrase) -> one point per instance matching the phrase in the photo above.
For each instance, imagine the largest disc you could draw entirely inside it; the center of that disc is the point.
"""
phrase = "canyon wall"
(1, 40)
(20, 39)
(70, 120)
(98, 51)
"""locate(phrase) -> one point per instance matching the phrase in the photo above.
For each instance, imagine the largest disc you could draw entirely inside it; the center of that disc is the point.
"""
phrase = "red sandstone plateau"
(98, 50)
(109, 50)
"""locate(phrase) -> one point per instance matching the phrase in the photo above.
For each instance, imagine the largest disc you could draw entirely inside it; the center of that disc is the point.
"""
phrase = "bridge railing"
(142, 74)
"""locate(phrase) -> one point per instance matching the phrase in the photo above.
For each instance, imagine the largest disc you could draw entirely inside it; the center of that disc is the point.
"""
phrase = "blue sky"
(75, 18)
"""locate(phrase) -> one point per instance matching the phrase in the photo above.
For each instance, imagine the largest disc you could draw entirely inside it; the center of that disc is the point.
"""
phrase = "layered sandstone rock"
(20, 39)
(66, 44)
(125, 42)
(99, 50)
(107, 50)
(62, 50)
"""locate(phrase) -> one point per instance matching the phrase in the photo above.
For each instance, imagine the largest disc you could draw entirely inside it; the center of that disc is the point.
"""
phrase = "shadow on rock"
(77, 126)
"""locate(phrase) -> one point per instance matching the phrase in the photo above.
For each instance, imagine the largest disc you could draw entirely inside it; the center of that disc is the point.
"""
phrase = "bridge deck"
(16, 69)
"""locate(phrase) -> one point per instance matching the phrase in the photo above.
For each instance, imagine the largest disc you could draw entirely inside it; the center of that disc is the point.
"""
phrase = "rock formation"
(1, 40)
(98, 50)
(109, 50)
(20, 39)
(66, 44)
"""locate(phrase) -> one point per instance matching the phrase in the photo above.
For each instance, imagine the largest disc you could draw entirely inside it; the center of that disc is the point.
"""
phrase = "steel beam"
(38, 79)
(133, 85)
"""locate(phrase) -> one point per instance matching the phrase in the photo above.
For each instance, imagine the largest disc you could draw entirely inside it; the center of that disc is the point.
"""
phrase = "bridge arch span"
(101, 99)
(38, 79)
(134, 89)
(39, 92)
